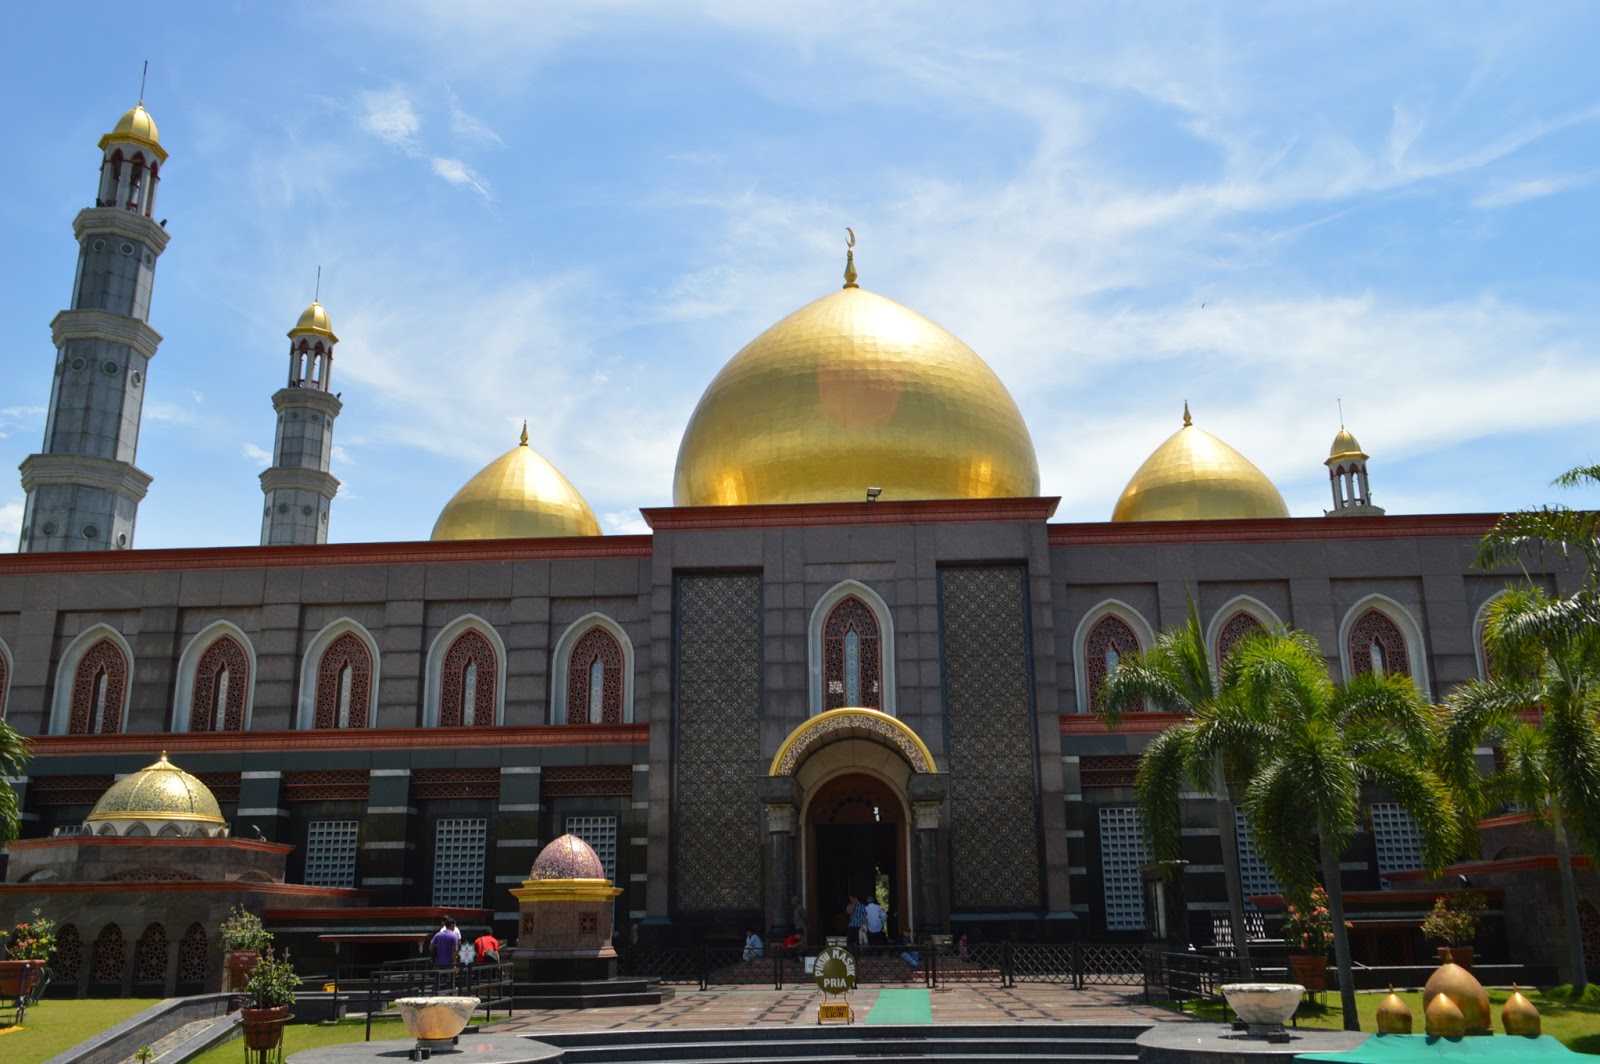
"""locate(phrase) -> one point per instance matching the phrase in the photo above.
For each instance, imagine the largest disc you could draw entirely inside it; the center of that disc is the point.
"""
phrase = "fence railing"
(1187, 976)
(492, 984)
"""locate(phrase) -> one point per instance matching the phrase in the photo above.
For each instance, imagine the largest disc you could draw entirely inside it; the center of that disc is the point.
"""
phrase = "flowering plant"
(1454, 917)
(1307, 927)
(32, 939)
(243, 930)
(272, 982)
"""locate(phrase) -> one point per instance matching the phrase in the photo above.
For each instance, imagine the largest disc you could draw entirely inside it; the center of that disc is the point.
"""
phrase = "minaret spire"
(850, 259)
(298, 486)
(142, 76)
(1347, 475)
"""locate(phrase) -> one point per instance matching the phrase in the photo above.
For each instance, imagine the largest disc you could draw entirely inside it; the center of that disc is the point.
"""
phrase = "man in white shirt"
(876, 918)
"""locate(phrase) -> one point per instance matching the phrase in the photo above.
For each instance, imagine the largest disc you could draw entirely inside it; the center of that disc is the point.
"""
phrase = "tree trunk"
(1569, 901)
(1341, 937)
(1227, 831)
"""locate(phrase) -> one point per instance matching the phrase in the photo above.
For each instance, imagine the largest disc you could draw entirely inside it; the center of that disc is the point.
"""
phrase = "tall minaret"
(1347, 470)
(298, 486)
(83, 489)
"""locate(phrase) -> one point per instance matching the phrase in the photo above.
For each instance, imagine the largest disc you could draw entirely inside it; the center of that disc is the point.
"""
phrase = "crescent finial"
(850, 259)
(850, 243)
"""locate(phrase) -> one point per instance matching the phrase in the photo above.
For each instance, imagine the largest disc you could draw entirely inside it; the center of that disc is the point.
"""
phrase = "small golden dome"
(162, 791)
(314, 322)
(1443, 1019)
(849, 392)
(1518, 1016)
(137, 126)
(1194, 476)
(1344, 447)
(517, 496)
(1458, 984)
(1394, 1015)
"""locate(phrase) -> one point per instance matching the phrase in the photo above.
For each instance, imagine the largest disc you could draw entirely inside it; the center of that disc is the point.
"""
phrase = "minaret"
(1347, 470)
(83, 489)
(298, 486)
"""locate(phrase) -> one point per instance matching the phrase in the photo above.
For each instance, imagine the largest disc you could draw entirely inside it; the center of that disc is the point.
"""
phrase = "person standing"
(488, 948)
(445, 942)
(857, 914)
(875, 919)
(798, 919)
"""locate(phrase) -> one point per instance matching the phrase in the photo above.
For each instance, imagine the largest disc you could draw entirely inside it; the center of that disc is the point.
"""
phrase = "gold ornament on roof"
(850, 259)
(314, 322)
(851, 391)
(1344, 447)
(519, 495)
(138, 128)
(161, 791)
(1193, 476)
(1394, 1015)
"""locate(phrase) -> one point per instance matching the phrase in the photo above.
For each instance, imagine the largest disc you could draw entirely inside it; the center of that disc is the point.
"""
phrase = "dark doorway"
(854, 832)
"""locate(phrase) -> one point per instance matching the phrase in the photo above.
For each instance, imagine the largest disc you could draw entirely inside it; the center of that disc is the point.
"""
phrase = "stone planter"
(435, 1021)
(1309, 971)
(1266, 1007)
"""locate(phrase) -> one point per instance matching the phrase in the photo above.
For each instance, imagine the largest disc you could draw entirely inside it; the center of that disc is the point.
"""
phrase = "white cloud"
(459, 173)
(256, 454)
(470, 126)
(624, 524)
(1510, 193)
(388, 115)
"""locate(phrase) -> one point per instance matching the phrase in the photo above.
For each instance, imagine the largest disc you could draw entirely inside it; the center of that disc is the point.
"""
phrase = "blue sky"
(576, 213)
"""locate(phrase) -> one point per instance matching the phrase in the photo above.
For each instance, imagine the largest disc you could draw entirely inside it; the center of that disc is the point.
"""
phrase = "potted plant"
(1308, 932)
(268, 993)
(28, 948)
(1454, 919)
(244, 939)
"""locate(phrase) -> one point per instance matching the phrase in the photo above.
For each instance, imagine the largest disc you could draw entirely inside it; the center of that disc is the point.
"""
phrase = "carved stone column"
(930, 870)
(779, 798)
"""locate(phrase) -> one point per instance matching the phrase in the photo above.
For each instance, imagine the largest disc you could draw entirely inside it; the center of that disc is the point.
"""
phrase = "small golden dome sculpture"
(1394, 1015)
(1193, 476)
(519, 495)
(1518, 1015)
(851, 391)
(314, 322)
(161, 792)
(1455, 982)
(1443, 1019)
(138, 128)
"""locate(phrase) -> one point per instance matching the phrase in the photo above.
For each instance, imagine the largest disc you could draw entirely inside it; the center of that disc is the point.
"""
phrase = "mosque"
(856, 645)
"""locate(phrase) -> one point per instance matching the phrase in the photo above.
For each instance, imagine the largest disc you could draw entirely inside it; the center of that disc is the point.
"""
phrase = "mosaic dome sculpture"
(159, 799)
(850, 392)
(568, 857)
(519, 495)
(1194, 476)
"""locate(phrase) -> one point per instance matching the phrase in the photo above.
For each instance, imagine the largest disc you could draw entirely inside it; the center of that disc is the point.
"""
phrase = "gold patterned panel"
(849, 723)
(163, 791)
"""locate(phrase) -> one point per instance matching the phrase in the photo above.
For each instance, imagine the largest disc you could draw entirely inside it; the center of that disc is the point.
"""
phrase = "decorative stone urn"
(566, 906)
(1266, 1007)
(436, 1021)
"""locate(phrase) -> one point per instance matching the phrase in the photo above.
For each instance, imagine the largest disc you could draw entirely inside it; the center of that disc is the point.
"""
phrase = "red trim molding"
(191, 886)
(410, 913)
(317, 555)
(1132, 723)
(1483, 868)
(147, 841)
(340, 739)
(883, 512)
(1272, 530)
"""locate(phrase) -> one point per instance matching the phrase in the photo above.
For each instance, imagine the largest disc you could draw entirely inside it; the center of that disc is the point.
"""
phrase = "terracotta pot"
(1461, 955)
(263, 1028)
(237, 964)
(19, 977)
(1309, 971)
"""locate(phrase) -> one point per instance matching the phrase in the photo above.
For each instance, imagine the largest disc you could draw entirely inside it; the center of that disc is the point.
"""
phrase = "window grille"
(331, 853)
(1399, 844)
(458, 855)
(1122, 853)
(1255, 878)
(600, 832)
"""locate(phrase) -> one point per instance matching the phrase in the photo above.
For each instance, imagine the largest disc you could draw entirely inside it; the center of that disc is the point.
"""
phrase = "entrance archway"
(854, 830)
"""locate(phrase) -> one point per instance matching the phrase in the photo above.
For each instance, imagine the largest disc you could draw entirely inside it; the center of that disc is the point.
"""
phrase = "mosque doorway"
(855, 832)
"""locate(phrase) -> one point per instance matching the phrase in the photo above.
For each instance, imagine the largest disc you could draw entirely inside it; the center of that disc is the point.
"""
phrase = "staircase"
(591, 994)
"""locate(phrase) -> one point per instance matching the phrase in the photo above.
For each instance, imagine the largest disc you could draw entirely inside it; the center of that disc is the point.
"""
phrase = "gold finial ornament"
(850, 259)
(1518, 1015)
(1443, 1019)
(1394, 1015)
(524, 432)
(1456, 983)
(1187, 420)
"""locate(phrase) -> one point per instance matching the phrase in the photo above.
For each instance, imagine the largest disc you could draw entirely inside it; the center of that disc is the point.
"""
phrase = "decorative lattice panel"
(331, 853)
(192, 955)
(1376, 643)
(1396, 839)
(67, 961)
(1108, 642)
(110, 956)
(97, 690)
(68, 790)
(455, 783)
(852, 668)
(152, 874)
(326, 785)
(1108, 770)
(716, 840)
(1122, 853)
(1237, 627)
(567, 781)
(600, 832)
(221, 681)
(458, 853)
(1254, 875)
(994, 822)
(344, 684)
(466, 682)
(594, 679)
(224, 786)
(150, 964)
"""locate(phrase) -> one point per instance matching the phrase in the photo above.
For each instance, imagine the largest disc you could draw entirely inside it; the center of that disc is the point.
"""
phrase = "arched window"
(594, 679)
(221, 684)
(150, 965)
(1110, 640)
(851, 659)
(98, 687)
(344, 684)
(467, 682)
(67, 961)
(1376, 644)
(192, 966)
(110, 956)
(1234, 629)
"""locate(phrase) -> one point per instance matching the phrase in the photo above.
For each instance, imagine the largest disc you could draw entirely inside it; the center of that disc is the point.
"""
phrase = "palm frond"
(1159, 785)
(1426, 798)
(1280, 818)
(1539, 534)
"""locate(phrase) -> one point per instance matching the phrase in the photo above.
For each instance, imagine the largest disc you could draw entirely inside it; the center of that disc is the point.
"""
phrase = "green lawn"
(298, 1036)
(1574, 1024)
(57, 1024)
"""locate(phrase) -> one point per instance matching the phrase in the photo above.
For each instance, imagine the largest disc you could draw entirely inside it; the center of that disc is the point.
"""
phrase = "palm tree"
(13, 755)
(1177, 676)
(1573, 535)
(1552, 768)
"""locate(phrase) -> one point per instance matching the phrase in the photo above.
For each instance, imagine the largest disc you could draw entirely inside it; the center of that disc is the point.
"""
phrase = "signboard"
(839, 1013)
(835, 970)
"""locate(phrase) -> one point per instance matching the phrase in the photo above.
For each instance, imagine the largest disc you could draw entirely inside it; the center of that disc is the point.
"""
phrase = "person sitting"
(791, 950)
(911, 956)
(753, 946)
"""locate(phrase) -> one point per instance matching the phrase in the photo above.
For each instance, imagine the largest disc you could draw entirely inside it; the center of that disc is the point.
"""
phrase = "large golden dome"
(161, 792)
(136, 125)
(517, 496)
(1194, 476)
(314, 322)
(850, 392)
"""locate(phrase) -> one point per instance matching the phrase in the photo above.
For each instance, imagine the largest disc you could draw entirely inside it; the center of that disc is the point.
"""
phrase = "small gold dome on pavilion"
(1194, 476)
(161, 792)
(517, 496)
(314, 322)
(1344, 447)
(136, 125)
(849, 392)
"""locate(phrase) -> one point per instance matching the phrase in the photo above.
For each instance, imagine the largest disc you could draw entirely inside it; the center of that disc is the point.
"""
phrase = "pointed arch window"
(1236, 628)
(852, 673)
(98, 687)
(221, 682)
(344, 684)
(594, 679)
(1376, 644)
(1108, 642)
(466, 682)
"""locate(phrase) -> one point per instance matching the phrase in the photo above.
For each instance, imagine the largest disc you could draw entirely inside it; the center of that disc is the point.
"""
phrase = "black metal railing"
(1186, 975)
(492, 984)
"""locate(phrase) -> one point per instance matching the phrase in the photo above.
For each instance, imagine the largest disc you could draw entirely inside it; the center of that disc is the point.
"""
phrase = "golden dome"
(1518, 1016)
(1443, 1019)
(517, 496)
(137, 126)
(1194, 476)
(1456, 983)
(850, 392)
(1394, 1015)
(314, 322)
(161, 792)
